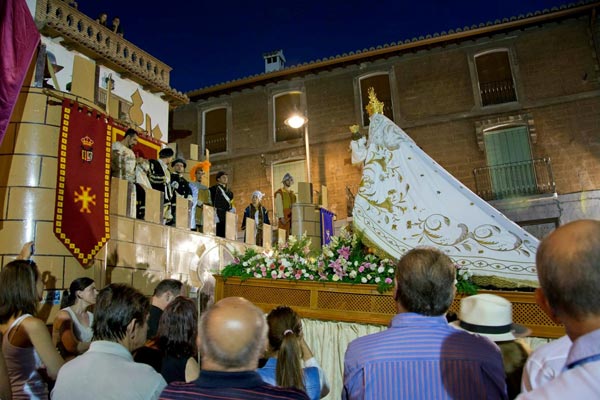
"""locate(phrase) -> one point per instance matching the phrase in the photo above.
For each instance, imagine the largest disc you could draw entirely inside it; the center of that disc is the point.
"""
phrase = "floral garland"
(344, 259)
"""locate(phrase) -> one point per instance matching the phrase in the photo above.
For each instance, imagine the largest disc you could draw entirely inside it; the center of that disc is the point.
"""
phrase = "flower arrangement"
(344, 259)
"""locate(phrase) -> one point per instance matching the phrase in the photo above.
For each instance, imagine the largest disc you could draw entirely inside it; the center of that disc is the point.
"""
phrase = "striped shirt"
(213, 385)
(422, 357)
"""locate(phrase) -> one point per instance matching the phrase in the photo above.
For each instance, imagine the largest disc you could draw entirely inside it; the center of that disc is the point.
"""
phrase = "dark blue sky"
(212, 42)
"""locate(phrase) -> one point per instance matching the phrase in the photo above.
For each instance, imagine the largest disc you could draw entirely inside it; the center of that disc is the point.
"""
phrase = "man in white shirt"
(123, 158)
(545, 364)
(568, 267)
(107, 369)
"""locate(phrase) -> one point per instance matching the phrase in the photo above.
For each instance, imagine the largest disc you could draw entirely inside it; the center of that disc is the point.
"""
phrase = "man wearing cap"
(284, 198)
(160, 179)
(221, 198)
(568, 267)
(259, 214)
(420, 356)
(181, 187)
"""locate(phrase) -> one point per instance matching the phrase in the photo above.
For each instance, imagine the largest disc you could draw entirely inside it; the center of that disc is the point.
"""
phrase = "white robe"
(406, 200)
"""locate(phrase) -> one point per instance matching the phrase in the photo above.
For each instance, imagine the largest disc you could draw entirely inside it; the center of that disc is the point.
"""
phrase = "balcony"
(499, 92)
(525, 178)
(84, 34)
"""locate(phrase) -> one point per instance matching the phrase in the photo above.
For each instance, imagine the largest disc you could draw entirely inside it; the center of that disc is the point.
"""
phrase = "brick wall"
(434, 94)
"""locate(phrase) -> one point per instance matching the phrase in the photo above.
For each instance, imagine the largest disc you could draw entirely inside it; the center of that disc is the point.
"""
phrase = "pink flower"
(263, 269)
(274, 274)
(298, 275)
(388, 280)
(264, 273)
(361, 268)
(344, 252)
(311, 277)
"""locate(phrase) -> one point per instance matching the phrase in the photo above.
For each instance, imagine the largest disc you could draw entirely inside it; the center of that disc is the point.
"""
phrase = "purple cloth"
(326, 226)
(18, 40)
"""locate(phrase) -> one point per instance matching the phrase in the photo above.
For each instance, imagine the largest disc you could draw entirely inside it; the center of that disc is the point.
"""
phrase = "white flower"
(352, 274)
(369, 276)
(381, 269)
(335, 278)
(248, 270)
(356, 263)
(245, 263)
(363, 279)
(327, 252)
(391, 271)
(377, 280)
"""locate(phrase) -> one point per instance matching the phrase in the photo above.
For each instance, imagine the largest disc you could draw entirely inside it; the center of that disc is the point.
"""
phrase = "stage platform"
(363, 303)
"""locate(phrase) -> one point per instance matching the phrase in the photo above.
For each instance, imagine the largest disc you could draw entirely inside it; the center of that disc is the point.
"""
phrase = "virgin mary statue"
(406, 200)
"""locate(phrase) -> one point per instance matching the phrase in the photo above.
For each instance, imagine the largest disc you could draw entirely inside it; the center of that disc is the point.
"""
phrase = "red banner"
(81, 219)
(18, 40)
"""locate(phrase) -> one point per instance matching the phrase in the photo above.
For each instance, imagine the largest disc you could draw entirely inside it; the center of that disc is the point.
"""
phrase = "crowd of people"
(420, 356)
(166, 174)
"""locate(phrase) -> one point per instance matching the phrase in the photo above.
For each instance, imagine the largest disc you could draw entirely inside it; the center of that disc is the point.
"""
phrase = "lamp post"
(297, 121)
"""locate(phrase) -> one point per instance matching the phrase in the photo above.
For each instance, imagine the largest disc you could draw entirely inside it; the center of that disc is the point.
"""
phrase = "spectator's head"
(178, 329)
(21, 289)
(222, 177)
(233, 335)
(425, 282)
(81, 289)
(102, 18)
(165, 292)
(166, 154)
(130, 138)
(285, 330)
(568, 267)
(179, 165)
(121, 315)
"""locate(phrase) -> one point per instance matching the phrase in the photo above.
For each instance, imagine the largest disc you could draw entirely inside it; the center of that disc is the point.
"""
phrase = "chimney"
(274, 61)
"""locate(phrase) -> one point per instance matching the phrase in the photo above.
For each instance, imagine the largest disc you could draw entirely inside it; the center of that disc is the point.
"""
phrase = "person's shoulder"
(33, 324)
(177, 390)
(280, 392)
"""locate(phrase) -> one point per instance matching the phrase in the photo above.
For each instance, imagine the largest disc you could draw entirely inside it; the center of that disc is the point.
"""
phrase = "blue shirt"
(312, 380)
(582, 378)
(245, 385)
(422, 357)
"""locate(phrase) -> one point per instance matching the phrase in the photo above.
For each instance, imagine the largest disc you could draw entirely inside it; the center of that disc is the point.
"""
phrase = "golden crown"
(87, 141)
(375, 106)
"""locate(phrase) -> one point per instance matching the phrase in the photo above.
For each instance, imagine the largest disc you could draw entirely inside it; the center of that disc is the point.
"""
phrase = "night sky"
(207, 43)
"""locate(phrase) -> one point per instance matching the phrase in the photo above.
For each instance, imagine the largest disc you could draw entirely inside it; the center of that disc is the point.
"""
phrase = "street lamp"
(297, 121)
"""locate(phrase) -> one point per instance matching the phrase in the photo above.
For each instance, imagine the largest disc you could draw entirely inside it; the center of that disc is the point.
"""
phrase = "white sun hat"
(490, 316)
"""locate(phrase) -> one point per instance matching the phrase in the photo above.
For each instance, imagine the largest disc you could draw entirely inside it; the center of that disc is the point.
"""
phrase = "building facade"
(511, 109)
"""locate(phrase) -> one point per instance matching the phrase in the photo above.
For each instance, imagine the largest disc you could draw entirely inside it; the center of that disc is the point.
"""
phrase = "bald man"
(233, 334)
(568, 267)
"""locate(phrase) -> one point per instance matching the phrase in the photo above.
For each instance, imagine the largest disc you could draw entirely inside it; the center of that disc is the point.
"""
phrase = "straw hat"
(490, 316)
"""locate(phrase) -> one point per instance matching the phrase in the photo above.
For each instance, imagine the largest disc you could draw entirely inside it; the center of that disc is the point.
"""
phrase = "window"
(381, 84)
(215, 130)
(511, 168)
(286, 105)
(494, 74)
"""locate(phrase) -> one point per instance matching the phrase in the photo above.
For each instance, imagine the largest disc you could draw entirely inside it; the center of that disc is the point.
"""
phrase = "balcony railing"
(498, 92)
(525, 178)
(79, 31)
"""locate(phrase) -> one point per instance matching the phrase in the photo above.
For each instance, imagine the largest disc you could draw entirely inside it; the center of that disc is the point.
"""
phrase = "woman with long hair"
(291, 363)
(72, 328)
(173, 352)
(27, 347)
